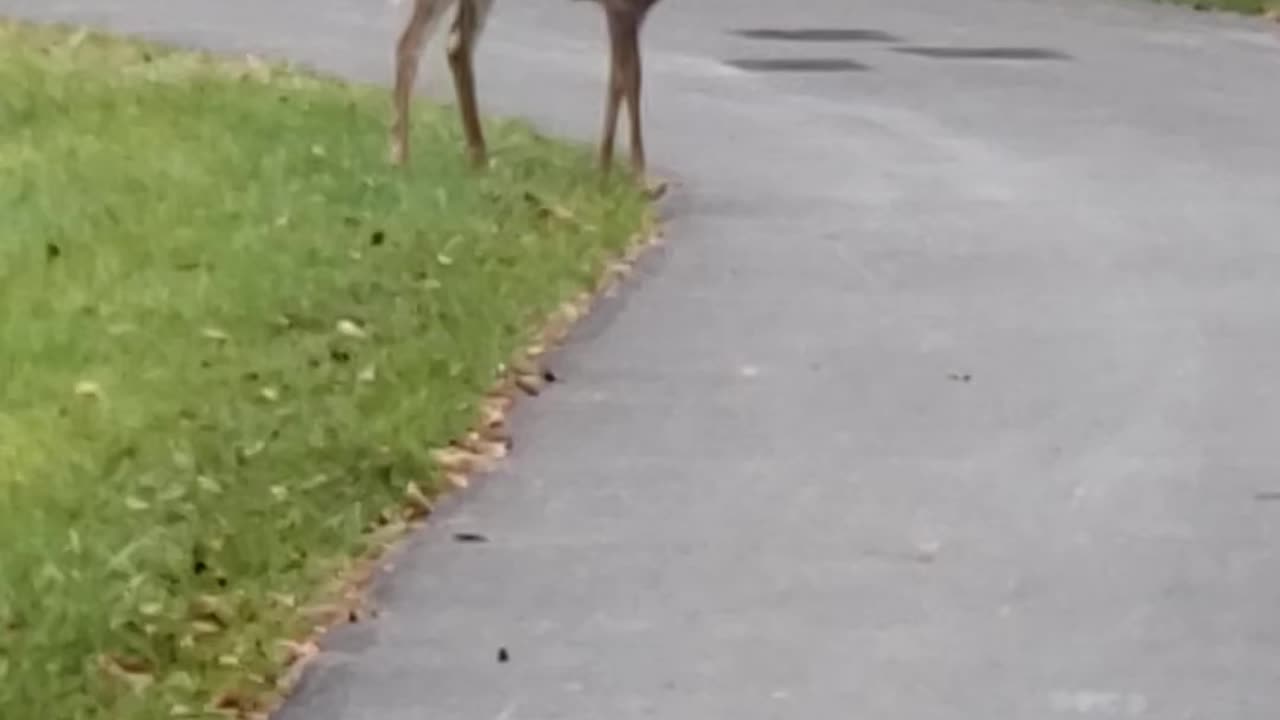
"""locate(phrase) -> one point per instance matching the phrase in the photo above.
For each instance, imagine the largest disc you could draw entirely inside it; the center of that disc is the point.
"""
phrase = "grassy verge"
(1270, 8)
(229, 338)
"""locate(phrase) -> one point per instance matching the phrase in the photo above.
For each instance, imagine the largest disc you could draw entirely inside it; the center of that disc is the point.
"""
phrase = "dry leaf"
(470, 442)
(233, 700)
(457, 460)
(530, 384)
(492, 418)
(550, 210)
(497, 434)
(561, 212)
(298, 651)
(211, 607)
(497, 406)
(134, 672)
(351, 329)
(495, 449)
(383, 518)
(525, 366)
(419, 504)
(204, 627)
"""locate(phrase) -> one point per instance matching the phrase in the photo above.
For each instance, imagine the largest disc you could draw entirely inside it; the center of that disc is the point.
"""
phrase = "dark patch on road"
(796, 65)
(983, 53)
(818, 35)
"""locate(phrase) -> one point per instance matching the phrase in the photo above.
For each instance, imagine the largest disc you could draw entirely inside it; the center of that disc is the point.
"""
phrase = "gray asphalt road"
(954, 394)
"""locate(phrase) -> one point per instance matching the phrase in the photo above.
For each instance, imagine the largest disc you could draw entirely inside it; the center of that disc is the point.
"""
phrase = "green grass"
(1248, 7)
(194, 438)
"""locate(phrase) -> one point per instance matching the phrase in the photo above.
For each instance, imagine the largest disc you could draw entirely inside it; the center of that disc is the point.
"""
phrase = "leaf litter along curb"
(232, 337)
(475, 454)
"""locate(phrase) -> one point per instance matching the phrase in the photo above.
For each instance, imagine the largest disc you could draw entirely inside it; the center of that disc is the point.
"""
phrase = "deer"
(624, 19)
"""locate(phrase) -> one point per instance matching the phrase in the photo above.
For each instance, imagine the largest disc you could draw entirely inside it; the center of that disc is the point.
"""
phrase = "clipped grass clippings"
(235, 349)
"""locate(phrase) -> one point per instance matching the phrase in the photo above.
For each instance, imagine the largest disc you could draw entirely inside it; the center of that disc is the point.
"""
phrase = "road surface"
(954, 394)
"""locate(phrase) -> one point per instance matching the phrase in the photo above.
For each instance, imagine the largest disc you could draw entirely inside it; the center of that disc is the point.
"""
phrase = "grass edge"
(522, 375)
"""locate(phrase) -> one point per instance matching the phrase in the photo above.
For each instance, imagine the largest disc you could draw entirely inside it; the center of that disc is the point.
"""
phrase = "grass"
(1248, 7)
(230, 336)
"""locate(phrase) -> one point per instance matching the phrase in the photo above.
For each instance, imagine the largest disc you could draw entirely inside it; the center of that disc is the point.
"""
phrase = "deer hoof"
(479, 159)
(655, 190)
(398, 154)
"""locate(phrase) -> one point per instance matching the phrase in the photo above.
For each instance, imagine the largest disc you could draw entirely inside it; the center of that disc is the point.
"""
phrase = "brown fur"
(624, 20)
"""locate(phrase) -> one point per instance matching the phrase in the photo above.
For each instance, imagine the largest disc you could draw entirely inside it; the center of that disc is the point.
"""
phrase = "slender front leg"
(461, 50)
(639, 165)
(623, 30)
(408, 56)
(627, 78)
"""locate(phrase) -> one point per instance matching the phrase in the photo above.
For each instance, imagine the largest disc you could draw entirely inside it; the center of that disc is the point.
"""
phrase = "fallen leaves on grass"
(270, 398)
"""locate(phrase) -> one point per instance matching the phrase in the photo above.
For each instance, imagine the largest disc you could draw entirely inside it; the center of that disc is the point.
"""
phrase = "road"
(953, 393)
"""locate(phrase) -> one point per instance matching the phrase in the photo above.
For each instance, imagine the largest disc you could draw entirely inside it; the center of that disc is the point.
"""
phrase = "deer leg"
(623, 29)
(631, 81)
(461, 51)
(612, 104)
(408, 56)
(625, 84)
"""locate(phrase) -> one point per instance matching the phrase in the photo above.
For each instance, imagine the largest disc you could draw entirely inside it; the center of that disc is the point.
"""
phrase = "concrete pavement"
(953, 394)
